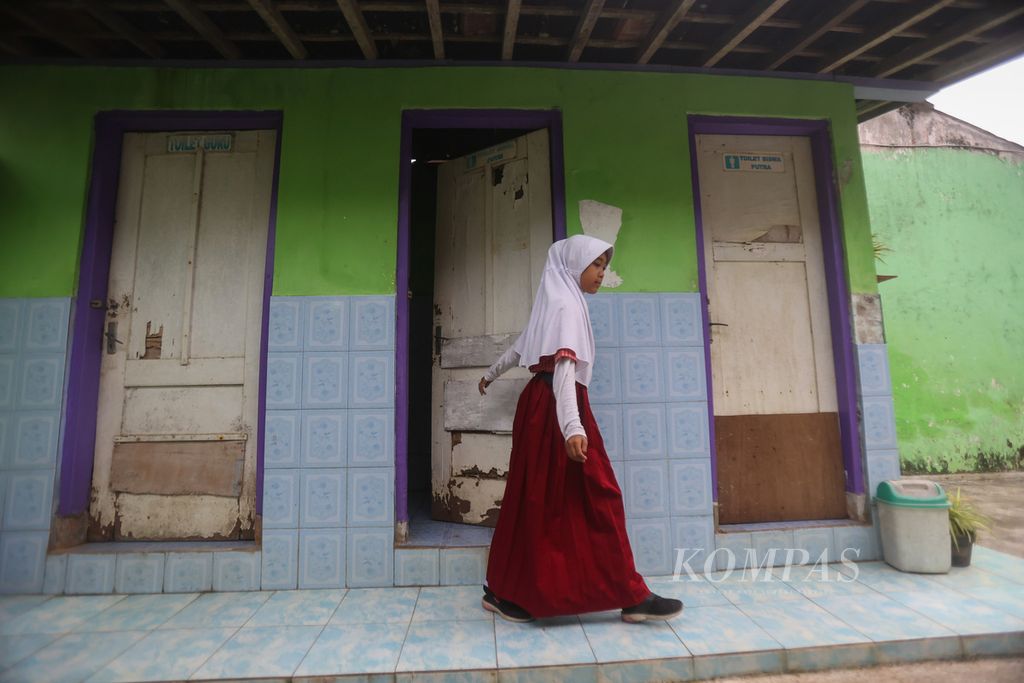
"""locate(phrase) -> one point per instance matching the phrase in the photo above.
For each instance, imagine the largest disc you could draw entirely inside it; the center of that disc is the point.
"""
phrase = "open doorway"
(480, 218)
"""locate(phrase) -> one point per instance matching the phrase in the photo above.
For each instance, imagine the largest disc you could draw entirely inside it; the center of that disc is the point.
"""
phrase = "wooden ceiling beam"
(827, 19)
(198, 20)
(903, 20)
(588, 18)
(357, 24)
(665, 24)
(977, 60)
(73, 43)
(125, 30)
(276, 22)
(436, 28)
(751, 20)
(953, 35)
(508, 42)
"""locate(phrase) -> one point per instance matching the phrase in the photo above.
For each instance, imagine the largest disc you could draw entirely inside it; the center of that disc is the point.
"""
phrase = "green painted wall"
(954, 316)
(625, 144)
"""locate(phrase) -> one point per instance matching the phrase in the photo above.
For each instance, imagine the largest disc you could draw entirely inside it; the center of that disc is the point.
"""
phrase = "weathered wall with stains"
(954, 315)
(625, 145)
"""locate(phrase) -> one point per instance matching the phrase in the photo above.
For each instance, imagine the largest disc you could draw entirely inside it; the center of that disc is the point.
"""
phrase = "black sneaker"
(654, 608)
(503, 608)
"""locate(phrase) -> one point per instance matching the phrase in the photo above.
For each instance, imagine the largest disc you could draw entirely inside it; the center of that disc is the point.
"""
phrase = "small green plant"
(964, 520)
(879, 247)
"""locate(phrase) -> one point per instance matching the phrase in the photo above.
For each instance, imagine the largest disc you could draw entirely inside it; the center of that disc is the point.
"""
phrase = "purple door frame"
(420, 119)
(87, 327)
(817, 132)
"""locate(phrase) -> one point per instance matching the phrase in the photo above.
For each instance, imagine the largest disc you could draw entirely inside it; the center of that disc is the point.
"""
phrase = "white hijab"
(560, 318)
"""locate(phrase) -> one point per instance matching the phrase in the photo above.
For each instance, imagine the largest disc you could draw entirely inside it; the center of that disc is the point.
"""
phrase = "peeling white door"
(773, 377)
(179, 378)
(493, 232)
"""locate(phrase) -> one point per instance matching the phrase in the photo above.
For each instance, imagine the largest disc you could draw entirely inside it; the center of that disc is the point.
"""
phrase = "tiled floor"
(733, 624)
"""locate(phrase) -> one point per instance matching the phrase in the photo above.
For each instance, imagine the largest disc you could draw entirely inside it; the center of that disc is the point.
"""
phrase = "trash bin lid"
(912, 493)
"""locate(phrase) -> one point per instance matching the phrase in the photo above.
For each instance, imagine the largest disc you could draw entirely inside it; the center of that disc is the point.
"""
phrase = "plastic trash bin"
(913, 517)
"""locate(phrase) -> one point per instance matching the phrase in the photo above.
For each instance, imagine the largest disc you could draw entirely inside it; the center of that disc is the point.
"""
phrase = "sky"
(993, 100)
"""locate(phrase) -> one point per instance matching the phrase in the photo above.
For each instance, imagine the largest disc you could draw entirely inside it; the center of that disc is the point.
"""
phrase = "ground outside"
(733, 624)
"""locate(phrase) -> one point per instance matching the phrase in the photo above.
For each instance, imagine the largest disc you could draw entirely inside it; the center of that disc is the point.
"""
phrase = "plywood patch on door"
(762, 456)
(154, 342)
(211, 468)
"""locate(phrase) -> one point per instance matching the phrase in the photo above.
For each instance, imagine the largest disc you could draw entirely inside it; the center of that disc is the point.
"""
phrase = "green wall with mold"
(954, 315)
(624, 133)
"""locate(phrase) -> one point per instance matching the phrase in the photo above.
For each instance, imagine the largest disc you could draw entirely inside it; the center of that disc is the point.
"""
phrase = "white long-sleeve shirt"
(563, 385)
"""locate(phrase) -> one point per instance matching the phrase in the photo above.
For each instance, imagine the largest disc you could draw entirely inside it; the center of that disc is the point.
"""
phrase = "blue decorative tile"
(604, 319)
(262, 652)
(323, 498)
(819, 544)
(820, 580)
(681, 323)
(642, 376)
(693, 540)
(139, 573)
(463, 566)
(615, 641)
(372, 323)
(643, 429)
(641, 319)
(774, 547)
(663, 669)
(34, 440)
(376, 605)
(721, 629)
(690, 484)
(12, 318)
(137, 613)
(873, 368)
(688, 433)
(960, 613)
(350, 649)
(371, 438)
(559, 642)
(41, 382)
(609, 422)
(448, 603)
(282, 439)
(880, 617)
(417, 567)
(885, 579)
(13, 649)
(879, 423)
(29, 500)
(7, 382)
(322, 558)
(910, 651)
(882, 466)
(218, 610)
(280, 557)
(286, 324)
(372, 380)
(685, 379)
(164, 656)
(46, 326)
(733, 550)
(325, 380)
(298, 608)
(55, 574)
(327, 326)
(605, 386)
(993, 645)
(371, 496)
(856, 543)
(800, 623)
(188, 572)
(90, 574)
(324, 438)
(22, 561)
(284, 381)
(370, 557)
(281, 499)
(651, 545)
(647, 483)
(236, 571)
(72, 658)
(448, 646)
(846, 656)
(754, 585)
(707, 667)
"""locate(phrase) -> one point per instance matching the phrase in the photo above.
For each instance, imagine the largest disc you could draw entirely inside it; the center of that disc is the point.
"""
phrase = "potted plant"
(964, 524)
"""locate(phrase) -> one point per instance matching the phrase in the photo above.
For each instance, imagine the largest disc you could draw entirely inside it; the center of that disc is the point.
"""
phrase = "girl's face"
(590, 280)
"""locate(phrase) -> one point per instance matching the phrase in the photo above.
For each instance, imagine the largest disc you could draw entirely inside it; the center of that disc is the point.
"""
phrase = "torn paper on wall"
(603, 222)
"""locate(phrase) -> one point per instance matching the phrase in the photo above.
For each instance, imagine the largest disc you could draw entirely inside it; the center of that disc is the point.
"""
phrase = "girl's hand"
(576, 447)
(483, 385)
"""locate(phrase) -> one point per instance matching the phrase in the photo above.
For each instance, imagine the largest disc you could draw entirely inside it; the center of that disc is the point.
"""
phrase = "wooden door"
(493, 232)
(179, 378)
(776, 422)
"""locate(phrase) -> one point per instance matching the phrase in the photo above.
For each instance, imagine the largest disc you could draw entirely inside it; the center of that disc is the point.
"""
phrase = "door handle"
(111, 337)
(718, 324)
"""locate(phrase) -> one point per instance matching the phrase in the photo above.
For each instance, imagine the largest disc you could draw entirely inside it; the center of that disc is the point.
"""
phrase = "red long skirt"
(560, 546)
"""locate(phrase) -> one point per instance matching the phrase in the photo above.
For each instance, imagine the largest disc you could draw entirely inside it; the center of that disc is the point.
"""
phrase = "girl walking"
(560, 546)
